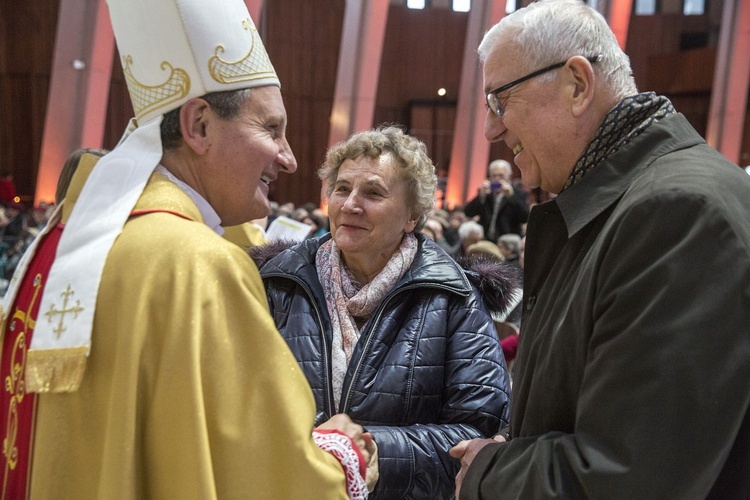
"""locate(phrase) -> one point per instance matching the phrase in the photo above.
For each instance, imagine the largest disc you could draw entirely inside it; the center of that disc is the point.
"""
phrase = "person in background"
(632, 378)
(8, 192)
(484, 247)
(40, 215)
(320, 219)
(433, 229)
(17, 235)
(469, 232)
(139, 357)
(455, 219)
(499, 207)
(69, 168)
(510, 246)
(386, 326)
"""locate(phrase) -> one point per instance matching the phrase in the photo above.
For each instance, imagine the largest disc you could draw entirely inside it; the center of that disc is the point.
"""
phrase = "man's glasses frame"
(493, 103)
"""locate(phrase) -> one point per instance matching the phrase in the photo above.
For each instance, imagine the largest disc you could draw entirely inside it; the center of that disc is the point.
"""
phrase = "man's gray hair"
(550, 31)
(511, 241)
(466, 229)
(505, 164)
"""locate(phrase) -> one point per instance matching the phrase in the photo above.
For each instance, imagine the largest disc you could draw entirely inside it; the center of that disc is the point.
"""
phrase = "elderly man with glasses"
(632, 378)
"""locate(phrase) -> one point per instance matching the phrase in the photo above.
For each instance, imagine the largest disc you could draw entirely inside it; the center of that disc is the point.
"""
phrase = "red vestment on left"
(16, 406)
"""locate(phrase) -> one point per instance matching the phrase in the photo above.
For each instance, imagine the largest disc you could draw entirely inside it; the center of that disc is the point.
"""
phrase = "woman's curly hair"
(409, 153)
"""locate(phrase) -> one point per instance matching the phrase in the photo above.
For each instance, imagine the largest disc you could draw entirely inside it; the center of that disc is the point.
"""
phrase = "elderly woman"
(385, 325)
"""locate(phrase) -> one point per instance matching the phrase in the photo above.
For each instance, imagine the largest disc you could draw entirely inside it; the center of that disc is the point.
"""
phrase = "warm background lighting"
(461, 5)
(441, 91)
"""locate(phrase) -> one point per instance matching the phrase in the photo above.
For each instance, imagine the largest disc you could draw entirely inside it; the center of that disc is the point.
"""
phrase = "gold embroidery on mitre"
(147, 98)
(253, 66)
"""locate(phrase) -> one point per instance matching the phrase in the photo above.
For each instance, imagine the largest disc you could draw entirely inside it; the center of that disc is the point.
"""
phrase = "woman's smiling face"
(370, 210)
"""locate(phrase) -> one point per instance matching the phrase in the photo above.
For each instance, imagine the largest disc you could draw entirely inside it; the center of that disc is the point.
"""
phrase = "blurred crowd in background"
(18, 227)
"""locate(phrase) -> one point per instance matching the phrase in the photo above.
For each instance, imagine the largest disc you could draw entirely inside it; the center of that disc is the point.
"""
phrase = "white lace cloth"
(342, 447)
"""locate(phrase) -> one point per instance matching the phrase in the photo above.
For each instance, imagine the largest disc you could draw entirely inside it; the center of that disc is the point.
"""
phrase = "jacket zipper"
(326, 370)
(343, 408)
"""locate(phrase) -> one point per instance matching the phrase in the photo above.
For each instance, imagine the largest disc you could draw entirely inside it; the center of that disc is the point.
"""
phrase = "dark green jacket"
(633, 371)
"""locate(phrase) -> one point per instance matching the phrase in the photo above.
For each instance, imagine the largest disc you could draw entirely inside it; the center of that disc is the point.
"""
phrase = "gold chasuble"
(17, 407)
(186, 389)
(189, 391)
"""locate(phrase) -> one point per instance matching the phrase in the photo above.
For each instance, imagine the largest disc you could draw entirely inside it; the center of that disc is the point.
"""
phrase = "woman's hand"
(342, 423)
(364, 441)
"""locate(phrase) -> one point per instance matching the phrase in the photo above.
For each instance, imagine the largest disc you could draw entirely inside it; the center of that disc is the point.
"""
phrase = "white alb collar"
(210, 217)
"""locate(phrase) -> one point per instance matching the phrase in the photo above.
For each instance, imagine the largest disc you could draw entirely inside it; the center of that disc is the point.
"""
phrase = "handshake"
(342, 424)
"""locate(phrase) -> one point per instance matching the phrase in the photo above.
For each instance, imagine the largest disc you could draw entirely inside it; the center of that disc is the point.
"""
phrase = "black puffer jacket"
(427, 372)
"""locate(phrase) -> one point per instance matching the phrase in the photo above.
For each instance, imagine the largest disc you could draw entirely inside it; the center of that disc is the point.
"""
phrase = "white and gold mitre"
(171, 51)
(174, 50)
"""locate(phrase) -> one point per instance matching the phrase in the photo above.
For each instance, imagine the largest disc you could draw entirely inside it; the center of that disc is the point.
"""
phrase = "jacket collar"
(431, 267)
(593, 194)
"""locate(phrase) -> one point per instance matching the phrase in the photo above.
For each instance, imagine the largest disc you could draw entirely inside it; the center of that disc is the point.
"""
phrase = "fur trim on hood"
(499, 282)
(263, 253)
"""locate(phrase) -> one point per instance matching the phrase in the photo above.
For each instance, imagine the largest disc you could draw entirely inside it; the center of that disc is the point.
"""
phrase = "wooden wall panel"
(683, 72)
(659, 35)
(432, 122)
(27, 36)
(302, 39)
(684, 76)
(423, 51)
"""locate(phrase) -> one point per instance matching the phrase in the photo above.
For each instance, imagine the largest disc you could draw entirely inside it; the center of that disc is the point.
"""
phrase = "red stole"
(17, 408)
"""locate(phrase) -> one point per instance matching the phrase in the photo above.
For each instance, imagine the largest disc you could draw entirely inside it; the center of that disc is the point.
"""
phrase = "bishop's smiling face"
(247, 153)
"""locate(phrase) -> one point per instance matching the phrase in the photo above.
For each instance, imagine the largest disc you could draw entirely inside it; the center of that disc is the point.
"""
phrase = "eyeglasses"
(493, 102)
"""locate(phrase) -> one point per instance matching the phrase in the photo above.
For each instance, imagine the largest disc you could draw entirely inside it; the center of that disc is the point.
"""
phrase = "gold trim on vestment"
(253, 66)
(147, 98)
(15, 382)
(55, 370)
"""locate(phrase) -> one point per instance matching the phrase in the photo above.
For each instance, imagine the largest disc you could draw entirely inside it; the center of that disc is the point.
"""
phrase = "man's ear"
(581, 78)
(194, 117)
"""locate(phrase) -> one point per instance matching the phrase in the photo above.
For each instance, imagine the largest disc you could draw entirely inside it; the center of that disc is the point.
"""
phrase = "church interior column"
(618, 17)
(726, 114)
(79, 88)
(255, 8)
(358, 68)
(470, 150)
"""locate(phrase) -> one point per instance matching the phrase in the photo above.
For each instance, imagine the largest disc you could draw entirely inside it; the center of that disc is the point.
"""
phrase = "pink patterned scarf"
(347, 299)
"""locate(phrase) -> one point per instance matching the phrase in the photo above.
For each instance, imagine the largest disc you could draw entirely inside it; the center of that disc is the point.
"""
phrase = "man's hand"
(466, 451)
(506, 188)
(500, 187)
(485, 189)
